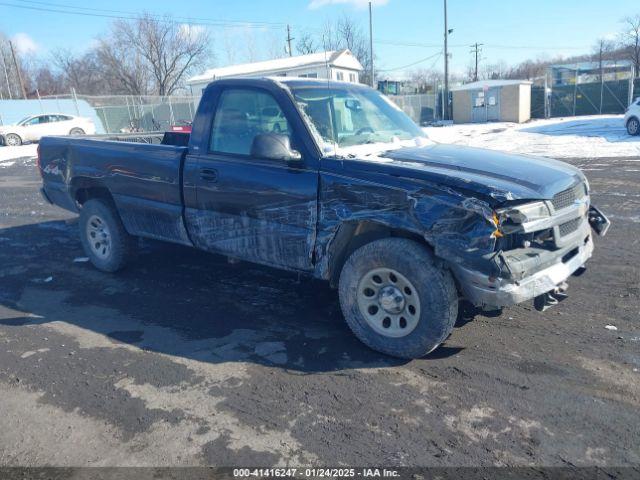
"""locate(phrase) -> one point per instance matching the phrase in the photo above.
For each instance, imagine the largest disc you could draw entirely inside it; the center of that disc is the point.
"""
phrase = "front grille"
(570, 227)
(566, 198)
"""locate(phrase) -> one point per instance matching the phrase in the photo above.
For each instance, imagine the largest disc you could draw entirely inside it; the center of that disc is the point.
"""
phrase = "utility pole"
(476, 51)
(373, 78)
(575, 90)
(289, 39)
(445, 100)
(601, 62)
(15, 62)
(6, 74)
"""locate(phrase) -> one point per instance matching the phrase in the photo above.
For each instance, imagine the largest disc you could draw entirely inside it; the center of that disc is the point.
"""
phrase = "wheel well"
(86, 189)
(353, 235)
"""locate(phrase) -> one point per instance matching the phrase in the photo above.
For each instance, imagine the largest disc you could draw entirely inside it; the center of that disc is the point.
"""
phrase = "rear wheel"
(104, 238)
(76, 131)
(12, 140)
(633, 126)
(396, 298)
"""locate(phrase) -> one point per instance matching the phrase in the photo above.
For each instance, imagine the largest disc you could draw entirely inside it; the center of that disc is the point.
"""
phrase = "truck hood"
(488, 173)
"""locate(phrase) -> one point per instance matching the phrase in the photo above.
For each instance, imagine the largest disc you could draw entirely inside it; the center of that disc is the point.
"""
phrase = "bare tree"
(494, 71)
(85, 73)
(274, 46)
(250, 45)
(48, 82)
(630, 41)
(425, 79)
(306, 44)
(528, 70)
(601, 53)
(345, 33)
(167, 50)
(127, 71)
(10, 70)
(229, 48)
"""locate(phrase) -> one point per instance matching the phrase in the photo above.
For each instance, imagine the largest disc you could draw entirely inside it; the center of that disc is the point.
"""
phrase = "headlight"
(529, 212)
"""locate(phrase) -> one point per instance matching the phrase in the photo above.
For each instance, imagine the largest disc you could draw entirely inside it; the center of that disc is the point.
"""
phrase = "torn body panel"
(459, 228)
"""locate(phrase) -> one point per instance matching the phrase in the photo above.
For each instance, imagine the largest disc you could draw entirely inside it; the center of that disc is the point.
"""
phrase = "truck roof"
(289, 81)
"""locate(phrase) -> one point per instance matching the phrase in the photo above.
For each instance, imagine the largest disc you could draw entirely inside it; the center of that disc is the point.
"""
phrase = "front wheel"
(104, 238)
(12, 140)
(76, 131)
(397, 299)
(633, 126)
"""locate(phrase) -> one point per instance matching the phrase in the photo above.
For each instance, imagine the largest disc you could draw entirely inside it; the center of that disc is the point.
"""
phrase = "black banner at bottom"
(240, 473)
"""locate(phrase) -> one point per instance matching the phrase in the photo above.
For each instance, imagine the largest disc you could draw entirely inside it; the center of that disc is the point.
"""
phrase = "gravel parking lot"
(184, 359)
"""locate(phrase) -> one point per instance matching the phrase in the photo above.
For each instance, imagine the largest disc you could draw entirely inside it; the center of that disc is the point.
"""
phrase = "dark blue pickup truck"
(333, 180)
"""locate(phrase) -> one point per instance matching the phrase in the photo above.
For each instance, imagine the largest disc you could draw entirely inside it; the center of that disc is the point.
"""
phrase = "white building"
(338, 65)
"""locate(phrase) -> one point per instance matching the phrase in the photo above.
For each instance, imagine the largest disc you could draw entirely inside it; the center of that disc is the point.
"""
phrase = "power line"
(400, 43)
(129, 12)
(130, 15)
(436, 56)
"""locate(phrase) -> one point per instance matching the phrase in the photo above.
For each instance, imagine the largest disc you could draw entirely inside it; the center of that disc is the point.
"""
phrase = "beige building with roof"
(492, 101)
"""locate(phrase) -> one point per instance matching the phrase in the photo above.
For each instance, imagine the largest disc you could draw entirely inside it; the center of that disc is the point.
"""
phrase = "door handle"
(209, 175)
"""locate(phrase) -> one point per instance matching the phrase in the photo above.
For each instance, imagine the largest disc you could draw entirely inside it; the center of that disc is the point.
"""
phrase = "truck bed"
(143, 179)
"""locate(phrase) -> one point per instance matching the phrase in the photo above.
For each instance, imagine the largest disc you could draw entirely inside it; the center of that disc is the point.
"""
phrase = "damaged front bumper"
(523, 281)
(491, 292)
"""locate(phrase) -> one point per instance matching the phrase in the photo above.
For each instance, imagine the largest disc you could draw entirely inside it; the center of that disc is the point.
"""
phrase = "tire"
(429, 290)
(76, 131)
(633, 126)
(12, 140)
(104, 239)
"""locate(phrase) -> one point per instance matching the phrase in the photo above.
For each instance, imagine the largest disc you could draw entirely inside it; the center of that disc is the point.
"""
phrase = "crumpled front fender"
(458, 227)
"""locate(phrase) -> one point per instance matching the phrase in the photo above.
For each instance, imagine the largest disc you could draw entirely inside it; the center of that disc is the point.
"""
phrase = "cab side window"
(241, 115)
(34, 121)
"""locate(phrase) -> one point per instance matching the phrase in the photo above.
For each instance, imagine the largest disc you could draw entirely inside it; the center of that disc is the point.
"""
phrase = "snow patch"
(600, 136)
(8, 155)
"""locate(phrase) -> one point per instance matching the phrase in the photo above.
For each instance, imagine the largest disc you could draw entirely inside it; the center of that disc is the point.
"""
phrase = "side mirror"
(274, 146)
(353, 104)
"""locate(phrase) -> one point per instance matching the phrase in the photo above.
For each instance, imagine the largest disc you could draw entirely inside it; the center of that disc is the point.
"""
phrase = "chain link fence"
(136, 113)
(123, 114)
(424, 108)
(584, 89)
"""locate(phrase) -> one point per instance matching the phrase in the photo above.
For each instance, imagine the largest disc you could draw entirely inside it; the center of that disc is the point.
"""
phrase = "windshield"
(350, 116)
(25, 120)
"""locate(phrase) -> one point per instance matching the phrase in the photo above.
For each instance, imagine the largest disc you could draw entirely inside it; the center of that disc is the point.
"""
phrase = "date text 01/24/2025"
(314, 473)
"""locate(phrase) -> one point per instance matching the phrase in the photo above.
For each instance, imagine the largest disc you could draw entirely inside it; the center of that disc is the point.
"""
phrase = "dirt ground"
(184, 359)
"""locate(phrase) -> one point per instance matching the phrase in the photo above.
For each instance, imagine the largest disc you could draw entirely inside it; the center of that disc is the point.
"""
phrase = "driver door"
(255, 209)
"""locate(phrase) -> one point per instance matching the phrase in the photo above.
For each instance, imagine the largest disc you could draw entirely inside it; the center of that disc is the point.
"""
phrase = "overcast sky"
(406, 31)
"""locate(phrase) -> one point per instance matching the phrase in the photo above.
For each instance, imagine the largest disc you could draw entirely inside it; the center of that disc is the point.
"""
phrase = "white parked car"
(34, 127)
(632, 118)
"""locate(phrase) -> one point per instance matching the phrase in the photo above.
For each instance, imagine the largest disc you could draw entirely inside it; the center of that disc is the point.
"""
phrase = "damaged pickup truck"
(332, 180)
